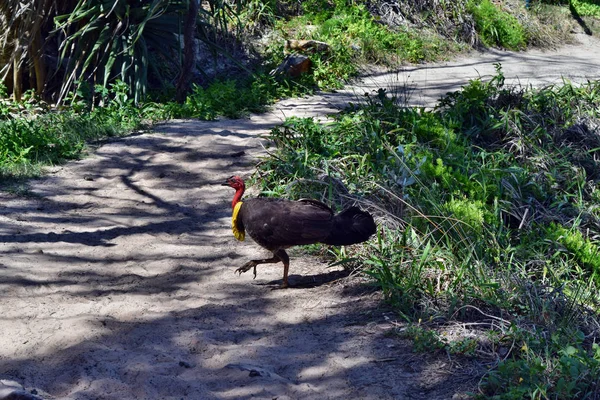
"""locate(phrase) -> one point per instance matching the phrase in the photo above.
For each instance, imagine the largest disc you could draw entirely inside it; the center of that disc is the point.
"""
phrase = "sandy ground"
(117, 272)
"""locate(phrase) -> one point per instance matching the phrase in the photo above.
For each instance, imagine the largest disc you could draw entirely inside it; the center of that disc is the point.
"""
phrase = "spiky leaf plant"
(106, 40)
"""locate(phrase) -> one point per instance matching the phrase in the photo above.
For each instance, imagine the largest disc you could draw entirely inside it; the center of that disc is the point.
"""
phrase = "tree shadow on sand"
(121, 286)
(217, 350)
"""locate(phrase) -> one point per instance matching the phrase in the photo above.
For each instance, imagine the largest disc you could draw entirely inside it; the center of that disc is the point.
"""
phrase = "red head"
(238, 184)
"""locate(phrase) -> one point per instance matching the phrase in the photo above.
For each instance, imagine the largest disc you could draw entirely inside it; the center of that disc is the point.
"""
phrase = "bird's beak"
(226, 183)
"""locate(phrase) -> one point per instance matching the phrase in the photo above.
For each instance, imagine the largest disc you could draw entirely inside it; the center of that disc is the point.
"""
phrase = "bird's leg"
(253, 263)
(285, 259)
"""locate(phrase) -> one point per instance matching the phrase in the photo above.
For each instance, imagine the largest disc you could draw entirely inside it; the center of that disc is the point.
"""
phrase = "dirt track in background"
(117, 271)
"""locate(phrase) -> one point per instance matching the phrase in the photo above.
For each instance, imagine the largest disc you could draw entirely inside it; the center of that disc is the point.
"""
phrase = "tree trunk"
(17, 74)
(189, 51)
(39, 65)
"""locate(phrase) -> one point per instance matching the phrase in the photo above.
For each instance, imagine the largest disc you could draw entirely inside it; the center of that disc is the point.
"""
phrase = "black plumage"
(277, 224)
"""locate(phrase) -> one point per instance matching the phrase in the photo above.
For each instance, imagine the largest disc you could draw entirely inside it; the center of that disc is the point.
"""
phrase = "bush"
(30, 135)
(587, 8)
(497, 27)
(486, 202)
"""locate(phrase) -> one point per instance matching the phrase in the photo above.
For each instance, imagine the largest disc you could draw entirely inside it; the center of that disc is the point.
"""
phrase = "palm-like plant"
(99, 41)
(107, 39)
(24, 26)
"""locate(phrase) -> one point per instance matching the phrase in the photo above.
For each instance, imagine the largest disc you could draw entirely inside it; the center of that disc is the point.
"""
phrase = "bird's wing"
(287, 223)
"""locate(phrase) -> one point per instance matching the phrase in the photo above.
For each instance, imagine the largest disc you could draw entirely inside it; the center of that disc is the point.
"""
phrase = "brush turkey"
(277, 224)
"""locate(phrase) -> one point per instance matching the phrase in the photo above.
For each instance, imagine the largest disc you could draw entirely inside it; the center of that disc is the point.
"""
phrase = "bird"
(277, 224)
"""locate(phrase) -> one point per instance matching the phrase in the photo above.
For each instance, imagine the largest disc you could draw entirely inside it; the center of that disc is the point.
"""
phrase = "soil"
(117, 271)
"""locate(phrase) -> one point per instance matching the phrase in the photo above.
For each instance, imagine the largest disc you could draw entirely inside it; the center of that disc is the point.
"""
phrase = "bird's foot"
(246, 267)
(284, 285)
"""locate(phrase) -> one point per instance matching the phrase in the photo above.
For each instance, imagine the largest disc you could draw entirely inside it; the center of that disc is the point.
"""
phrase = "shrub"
(497, 27)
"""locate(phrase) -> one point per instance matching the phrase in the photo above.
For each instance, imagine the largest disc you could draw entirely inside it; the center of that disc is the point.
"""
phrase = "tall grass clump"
(32, 134)
(586, 8)
(497, 27)
(487, 206)
(234, 98)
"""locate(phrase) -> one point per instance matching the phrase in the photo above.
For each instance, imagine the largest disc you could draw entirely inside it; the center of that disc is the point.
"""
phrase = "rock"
(293, 66)
(186, 364)
(256, 371)
(11, 390)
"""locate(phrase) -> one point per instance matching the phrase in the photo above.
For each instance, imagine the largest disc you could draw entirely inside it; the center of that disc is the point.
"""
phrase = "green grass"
(33, 135)
(487, 206)
(496, 27)
(235, 98)
(587, 8)
(356, 38)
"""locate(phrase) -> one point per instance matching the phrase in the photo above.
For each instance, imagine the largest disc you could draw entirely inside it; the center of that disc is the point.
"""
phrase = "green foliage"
(257, 14)
(427, 340)
(587, 8)
(489, 199)
(205, 103)
(464, 346)
(472, 213)
(232, 98)
(400, 263)
(355, 38)
(580, 249)
(99, 41)
(111, 39)
(549, 369)
(424, 340)
(497, 27)
(30, 136)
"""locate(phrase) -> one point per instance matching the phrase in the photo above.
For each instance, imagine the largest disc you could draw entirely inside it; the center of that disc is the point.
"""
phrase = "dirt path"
(116, 276)
(423, 85)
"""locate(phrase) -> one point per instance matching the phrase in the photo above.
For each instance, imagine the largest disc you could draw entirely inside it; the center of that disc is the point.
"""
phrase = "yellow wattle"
(239, 235)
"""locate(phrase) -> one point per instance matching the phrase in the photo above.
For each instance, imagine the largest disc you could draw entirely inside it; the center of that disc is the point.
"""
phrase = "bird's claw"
(246, 267)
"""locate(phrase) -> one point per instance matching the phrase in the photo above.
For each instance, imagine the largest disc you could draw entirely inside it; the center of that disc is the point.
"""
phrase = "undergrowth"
(497, 27)
(487, 207)
(32, 134)
(586, 8)
(356, 38)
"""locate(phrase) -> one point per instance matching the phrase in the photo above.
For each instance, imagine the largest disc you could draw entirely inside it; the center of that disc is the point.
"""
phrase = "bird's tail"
(351, 226)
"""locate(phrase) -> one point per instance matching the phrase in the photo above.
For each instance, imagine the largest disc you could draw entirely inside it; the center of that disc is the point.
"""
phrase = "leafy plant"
(553, 370)
(25, 28)
(108, 39)
(590, 8)
(27, 140)
(424, 340)
(229, 98)
(581, 249)
(496, 27)
(100, 41)
(486, 202)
